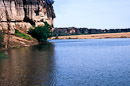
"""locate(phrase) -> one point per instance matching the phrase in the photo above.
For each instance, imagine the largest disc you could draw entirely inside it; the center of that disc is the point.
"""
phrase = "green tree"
(41, 33)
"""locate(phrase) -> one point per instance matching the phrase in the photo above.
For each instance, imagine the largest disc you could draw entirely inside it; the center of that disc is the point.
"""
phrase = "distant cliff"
(78, 31)
(23, 14)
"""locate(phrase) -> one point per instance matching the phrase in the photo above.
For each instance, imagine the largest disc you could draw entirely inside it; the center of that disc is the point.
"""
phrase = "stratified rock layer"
(24, 13)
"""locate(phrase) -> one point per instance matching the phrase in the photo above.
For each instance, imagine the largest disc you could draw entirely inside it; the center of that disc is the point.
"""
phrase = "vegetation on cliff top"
(41, 33)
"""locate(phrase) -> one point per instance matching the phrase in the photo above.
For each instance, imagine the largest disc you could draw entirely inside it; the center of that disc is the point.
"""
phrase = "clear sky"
(92, 13)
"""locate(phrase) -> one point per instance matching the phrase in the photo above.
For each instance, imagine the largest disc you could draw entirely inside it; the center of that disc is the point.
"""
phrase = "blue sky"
(92, 13)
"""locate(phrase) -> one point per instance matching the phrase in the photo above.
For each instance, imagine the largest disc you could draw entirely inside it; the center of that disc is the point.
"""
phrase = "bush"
(1, 38)
(41, 33)
(17, 33)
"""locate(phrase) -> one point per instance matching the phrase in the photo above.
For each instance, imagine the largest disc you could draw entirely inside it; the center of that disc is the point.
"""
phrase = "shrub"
(41, 33)
(17, 33)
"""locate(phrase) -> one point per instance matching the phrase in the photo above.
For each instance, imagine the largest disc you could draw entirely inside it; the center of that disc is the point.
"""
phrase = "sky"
(101, 14)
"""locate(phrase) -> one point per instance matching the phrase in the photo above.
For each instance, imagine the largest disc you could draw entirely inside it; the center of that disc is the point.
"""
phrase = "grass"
(3, 56)
(17, 33)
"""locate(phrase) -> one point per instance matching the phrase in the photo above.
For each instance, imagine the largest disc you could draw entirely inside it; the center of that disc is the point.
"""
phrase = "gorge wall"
(79, 31)
(23, 14)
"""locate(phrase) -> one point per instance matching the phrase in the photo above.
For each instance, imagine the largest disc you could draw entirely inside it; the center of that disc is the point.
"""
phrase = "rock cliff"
(80, 31)
(23, 14)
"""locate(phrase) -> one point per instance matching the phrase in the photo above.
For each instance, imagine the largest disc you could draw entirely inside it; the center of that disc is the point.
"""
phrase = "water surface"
(74, 62)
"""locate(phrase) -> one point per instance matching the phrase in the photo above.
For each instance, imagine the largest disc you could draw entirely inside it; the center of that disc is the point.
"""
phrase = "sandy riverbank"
(96, 36)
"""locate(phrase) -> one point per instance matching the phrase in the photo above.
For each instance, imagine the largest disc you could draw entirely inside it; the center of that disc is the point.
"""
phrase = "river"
(71, 62)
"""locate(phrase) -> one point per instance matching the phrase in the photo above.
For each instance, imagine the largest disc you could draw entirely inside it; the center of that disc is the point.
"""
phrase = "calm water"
(92, 62)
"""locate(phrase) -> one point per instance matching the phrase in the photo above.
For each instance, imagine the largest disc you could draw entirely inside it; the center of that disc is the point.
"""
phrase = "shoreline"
(96, 36)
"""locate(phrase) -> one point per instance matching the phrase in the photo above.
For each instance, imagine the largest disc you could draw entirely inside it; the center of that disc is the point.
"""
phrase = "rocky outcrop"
(78, 31)
(13, 41)
(23, 14)
(16, 12)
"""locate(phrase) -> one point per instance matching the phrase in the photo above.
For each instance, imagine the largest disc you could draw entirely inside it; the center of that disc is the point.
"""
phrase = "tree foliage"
(41, 33)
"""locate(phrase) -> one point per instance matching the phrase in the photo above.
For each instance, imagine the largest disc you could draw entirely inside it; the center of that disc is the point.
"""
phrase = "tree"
(41, 33)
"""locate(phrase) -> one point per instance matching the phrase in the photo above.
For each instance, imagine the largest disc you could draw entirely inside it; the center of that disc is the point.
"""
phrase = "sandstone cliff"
(23, 14)
(80, 31)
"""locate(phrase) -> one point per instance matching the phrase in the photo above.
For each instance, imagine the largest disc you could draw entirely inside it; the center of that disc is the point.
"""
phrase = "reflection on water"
(91, 62)
(3, 56)
(30, 66)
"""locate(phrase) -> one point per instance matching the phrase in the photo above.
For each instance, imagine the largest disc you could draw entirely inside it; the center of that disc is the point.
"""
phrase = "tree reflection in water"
(29, 66)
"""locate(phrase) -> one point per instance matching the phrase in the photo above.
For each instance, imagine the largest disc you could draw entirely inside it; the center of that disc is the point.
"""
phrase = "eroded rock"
(23, 15)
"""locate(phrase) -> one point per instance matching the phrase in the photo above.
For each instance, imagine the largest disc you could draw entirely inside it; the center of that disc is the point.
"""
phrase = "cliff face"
(23, 14)
(80, 31)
